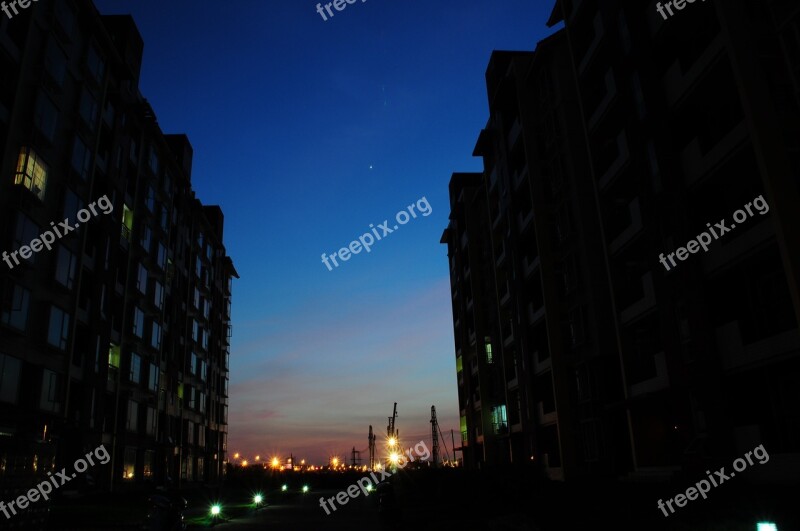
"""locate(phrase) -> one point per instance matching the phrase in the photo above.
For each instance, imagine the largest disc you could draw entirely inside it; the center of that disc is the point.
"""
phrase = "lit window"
(127, 222)
(66, 264)
(488, 349)
(149, 459)
(46, 116)
(129, 464)
(9, 378)
(15, 307)
(81, 159)
(58, 331)
(193, 363)
(499, 419)
(134, 375)
(113, 356)
(31, 172)
(51, 391)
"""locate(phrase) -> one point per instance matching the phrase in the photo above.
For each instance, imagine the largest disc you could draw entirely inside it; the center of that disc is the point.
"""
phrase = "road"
(304, 513)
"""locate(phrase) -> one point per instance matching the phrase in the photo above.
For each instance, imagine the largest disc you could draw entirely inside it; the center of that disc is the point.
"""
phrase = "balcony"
(534, 316)
(677, 82)
(697, 164)
(737, 244)
(599, 31)
(530, 265)
(524, 221)
(735, 354)
(642, 305)
(619, 163)
(658, 382)
(631, 230)
(605, 103)
(543, 418)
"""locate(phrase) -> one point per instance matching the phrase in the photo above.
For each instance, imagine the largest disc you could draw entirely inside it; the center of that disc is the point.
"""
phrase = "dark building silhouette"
(119, 335)
(620, 138)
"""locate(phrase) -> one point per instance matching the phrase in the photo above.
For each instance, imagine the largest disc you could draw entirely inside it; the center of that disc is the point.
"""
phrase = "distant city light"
(275, 462)
(394, 457)
(392, 441)
(244, 463)
(305, 488)
(766, 526)
(258, 458)
(236, 455)
(257, 499)
(215, 510)
(284, 488)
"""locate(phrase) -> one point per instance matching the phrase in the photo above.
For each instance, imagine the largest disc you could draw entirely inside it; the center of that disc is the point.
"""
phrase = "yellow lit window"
(31, 172)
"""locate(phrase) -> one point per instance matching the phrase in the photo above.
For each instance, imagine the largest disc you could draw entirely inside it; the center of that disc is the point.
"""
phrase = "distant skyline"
(306, 131)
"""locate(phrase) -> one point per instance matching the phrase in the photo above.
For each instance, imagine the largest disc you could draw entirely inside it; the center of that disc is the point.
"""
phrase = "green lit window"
(127, 222)
(31, 172)
(113, 356)
(499, 419)
(180, 391)
(459, 364)
(488, 348)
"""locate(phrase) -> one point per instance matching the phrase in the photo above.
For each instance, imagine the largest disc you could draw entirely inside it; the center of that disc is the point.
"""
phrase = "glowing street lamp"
(392, 441)
(766, 526)
(258, 458)
(244, 463)
(236, 455)
(335, 461)
(394, 457)
(257, 499)
(305, 489)
(275, 462)
(215, 510)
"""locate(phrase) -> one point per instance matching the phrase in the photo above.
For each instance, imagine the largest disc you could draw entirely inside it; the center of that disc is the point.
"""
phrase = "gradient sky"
(305, 132)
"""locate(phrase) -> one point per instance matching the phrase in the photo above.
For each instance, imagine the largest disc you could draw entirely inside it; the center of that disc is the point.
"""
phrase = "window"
(164, 218)
(72, 203)
(197, 298)
(155, 336)
(488, 348)
(51, 391)
(65, 17)
(190, 432)
(88, 109)
(204, 338)
(135, 371)
(152, 160)
(141, 280)
(55, 62)
(499, 419)
(207, 308)
(95, 64)
(129, 463)
(138, 322)
(201, 404)
(152, 383)
(81, 159)
(9, 378)
(149, 459)
(58, 331)
(201, 441)
(127, 222)
(203, 370)
(66, 263)
(150, 200)
(162, 256)
(158, 295)
(31, 172)
(193, 364)
(113, 356)
(133, 416)
(146, 237)
(15, 307)
(152, 421)
(46, 116)
(25, 231)
(192, 397)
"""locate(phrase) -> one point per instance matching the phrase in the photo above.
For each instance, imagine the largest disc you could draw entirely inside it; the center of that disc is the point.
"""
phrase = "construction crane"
(391, 432)
(371, 448)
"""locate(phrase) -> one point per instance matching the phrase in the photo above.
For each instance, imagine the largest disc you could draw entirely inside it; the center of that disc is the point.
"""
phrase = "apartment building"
(119, 335)
(619, 138)
(534, 351)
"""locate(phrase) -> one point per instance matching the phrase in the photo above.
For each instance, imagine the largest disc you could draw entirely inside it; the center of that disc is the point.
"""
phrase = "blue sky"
(305, 132)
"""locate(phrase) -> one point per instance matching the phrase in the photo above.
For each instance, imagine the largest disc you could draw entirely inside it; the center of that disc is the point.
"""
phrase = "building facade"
(119, 333)
(642, 133)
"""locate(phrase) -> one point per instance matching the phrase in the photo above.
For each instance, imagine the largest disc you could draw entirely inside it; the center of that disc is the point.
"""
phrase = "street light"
(244, 463)
(284, 488)
(766, 526)
(258, 458)
(392, 441)
(305, 489)
(215, 510)
(275, 462)
(257, 499)
(236, 455)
